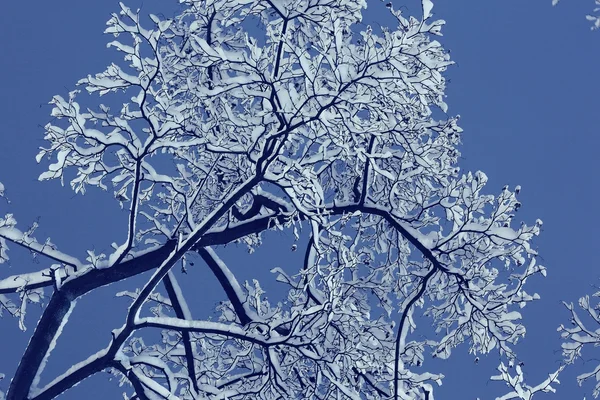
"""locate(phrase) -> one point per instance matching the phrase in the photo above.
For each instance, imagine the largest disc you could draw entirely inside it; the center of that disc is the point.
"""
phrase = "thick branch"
(146, 261)
(60, 306)
(401, 333)
(228, 282)
(82, 370)
(126, 247)
(182, 312)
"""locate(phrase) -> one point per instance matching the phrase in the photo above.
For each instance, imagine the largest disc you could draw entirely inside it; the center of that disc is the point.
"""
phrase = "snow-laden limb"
(583, 332)
(29, 286)
(182, 311)
(521, 390)
(230, 285)
(10, 233)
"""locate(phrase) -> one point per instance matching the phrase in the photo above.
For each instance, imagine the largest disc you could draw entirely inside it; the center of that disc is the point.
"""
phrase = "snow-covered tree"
(583, 329)
(320, 126)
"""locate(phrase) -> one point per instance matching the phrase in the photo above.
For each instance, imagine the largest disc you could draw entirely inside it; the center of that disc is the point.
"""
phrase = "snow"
(13, 283)
(158, 364)
(16, 236)
(155, 387)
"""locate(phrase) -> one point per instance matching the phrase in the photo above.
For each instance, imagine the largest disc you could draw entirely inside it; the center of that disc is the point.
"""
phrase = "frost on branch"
(16, 306)
(584, 331)
(321, 126)
(521, 390)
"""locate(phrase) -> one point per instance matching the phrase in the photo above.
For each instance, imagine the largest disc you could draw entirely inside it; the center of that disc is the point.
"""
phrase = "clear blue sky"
(525, 85)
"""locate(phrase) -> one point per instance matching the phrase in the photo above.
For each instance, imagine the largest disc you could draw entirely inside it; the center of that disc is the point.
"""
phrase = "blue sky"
(525, 85)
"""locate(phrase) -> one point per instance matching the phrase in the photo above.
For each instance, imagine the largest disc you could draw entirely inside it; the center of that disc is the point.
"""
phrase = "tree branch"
(401, 333)
(17, 237)
(215, 328)
(229, 284)
(182, 311)
(166, 255)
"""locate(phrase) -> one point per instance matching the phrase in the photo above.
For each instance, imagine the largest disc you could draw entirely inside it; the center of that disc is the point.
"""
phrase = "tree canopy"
(318, 126)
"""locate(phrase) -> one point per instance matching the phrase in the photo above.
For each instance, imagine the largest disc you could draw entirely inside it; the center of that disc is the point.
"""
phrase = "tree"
(337, 135)
(580, 334)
